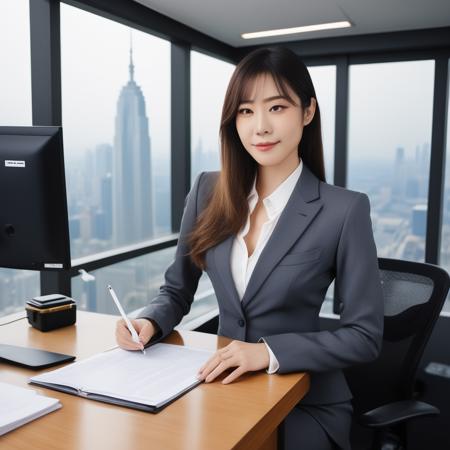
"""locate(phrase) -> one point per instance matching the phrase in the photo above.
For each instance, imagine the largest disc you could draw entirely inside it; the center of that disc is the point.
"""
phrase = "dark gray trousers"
(317, 427)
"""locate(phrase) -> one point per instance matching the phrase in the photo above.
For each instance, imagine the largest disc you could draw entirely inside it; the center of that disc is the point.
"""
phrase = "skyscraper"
(419, 220)
(399, 180)
(132, 199)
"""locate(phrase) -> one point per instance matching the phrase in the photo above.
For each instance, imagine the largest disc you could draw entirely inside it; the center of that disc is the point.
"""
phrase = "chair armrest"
(396, 412)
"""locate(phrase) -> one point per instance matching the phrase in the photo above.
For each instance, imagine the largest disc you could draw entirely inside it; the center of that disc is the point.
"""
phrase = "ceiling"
(225, 20)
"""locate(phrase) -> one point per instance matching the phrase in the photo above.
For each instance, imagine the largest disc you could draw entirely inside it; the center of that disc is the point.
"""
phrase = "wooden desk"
(242, 415)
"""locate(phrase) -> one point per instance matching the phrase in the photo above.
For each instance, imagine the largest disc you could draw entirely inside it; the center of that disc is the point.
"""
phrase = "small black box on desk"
(49, 312)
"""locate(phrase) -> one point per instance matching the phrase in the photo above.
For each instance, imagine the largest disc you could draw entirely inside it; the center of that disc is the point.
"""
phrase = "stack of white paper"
(19, 406)
(146, 382)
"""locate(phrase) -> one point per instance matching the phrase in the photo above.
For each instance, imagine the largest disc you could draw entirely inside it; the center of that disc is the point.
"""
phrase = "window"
(390, 117)
(209, 81)
(116, 118)
(324, 81)
(16, 286)
(444, 259)
(136, 282)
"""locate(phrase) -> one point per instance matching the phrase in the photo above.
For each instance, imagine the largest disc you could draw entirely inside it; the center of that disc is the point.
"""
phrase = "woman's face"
(263, 119)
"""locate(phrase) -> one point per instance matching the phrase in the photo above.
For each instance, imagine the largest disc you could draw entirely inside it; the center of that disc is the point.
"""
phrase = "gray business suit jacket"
(324, 232)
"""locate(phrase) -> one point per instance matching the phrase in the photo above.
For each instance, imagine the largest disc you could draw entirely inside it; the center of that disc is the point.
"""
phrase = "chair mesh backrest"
(401, 290)
(413, 297)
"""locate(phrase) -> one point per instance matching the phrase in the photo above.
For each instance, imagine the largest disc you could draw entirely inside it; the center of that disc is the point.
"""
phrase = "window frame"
(341, 52)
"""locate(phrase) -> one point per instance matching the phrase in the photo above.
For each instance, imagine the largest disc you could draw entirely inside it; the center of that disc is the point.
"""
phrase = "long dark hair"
(227, 207)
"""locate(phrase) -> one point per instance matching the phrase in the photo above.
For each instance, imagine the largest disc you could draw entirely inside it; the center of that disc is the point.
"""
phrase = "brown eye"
(278, 106)
(241, 111)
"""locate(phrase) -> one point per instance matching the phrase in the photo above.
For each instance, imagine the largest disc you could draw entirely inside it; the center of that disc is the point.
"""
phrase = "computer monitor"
(34, 228)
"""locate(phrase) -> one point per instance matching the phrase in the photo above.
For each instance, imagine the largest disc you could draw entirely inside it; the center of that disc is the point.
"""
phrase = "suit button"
(241, 322)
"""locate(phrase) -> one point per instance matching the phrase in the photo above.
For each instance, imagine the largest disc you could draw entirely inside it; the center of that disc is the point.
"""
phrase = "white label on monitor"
(12, 163)
(53, 266)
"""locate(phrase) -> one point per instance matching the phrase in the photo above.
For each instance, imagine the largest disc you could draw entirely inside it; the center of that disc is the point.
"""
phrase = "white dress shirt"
(241, 264)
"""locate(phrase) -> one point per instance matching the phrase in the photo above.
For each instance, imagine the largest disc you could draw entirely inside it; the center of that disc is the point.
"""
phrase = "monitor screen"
(34, 230)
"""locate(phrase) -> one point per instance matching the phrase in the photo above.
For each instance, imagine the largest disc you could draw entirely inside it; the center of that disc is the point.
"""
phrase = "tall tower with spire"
(132, 199)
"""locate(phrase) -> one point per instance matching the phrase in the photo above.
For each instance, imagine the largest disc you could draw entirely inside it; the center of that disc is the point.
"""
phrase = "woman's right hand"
(144, 329)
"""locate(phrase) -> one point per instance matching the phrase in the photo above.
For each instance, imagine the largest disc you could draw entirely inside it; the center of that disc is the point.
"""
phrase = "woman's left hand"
(242, 355)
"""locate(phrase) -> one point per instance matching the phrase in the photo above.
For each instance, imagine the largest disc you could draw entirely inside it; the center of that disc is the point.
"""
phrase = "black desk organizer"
(49, 312)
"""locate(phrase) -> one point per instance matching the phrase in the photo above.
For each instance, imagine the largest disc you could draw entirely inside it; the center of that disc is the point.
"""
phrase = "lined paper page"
(151, 379)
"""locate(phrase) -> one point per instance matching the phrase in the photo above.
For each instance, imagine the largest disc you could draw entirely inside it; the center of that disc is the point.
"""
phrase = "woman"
(272, 235)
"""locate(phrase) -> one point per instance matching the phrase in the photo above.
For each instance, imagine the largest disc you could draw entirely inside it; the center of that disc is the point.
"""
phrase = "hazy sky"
(209, 81)
(15, 76)
(94, 68)
(390, 104)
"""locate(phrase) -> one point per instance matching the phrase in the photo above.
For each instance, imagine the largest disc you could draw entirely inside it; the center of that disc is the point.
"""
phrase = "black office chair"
(385, 393)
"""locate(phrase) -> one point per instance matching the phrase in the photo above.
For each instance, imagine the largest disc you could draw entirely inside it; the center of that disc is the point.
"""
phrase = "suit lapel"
(284, 236)
(299, 212)
(222, 259)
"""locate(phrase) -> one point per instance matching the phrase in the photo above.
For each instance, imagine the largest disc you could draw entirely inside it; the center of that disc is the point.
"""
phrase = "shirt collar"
(277, 200)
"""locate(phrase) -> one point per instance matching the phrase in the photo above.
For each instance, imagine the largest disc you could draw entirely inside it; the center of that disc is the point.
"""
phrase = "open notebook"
(19, 406)
(129, 378)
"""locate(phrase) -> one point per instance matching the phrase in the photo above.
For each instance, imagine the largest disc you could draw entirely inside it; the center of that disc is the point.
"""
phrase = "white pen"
(134, 335)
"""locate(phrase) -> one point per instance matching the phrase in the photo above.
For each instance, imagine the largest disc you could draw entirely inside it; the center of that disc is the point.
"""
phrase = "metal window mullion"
(45, 62)
(99, 261)
(340, 140)
(367, 46)
(180, 129)
(437, 161)
(341, 121)
(46, 97)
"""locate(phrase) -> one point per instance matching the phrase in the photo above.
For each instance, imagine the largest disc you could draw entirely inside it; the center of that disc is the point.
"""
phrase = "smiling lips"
(266, 145)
